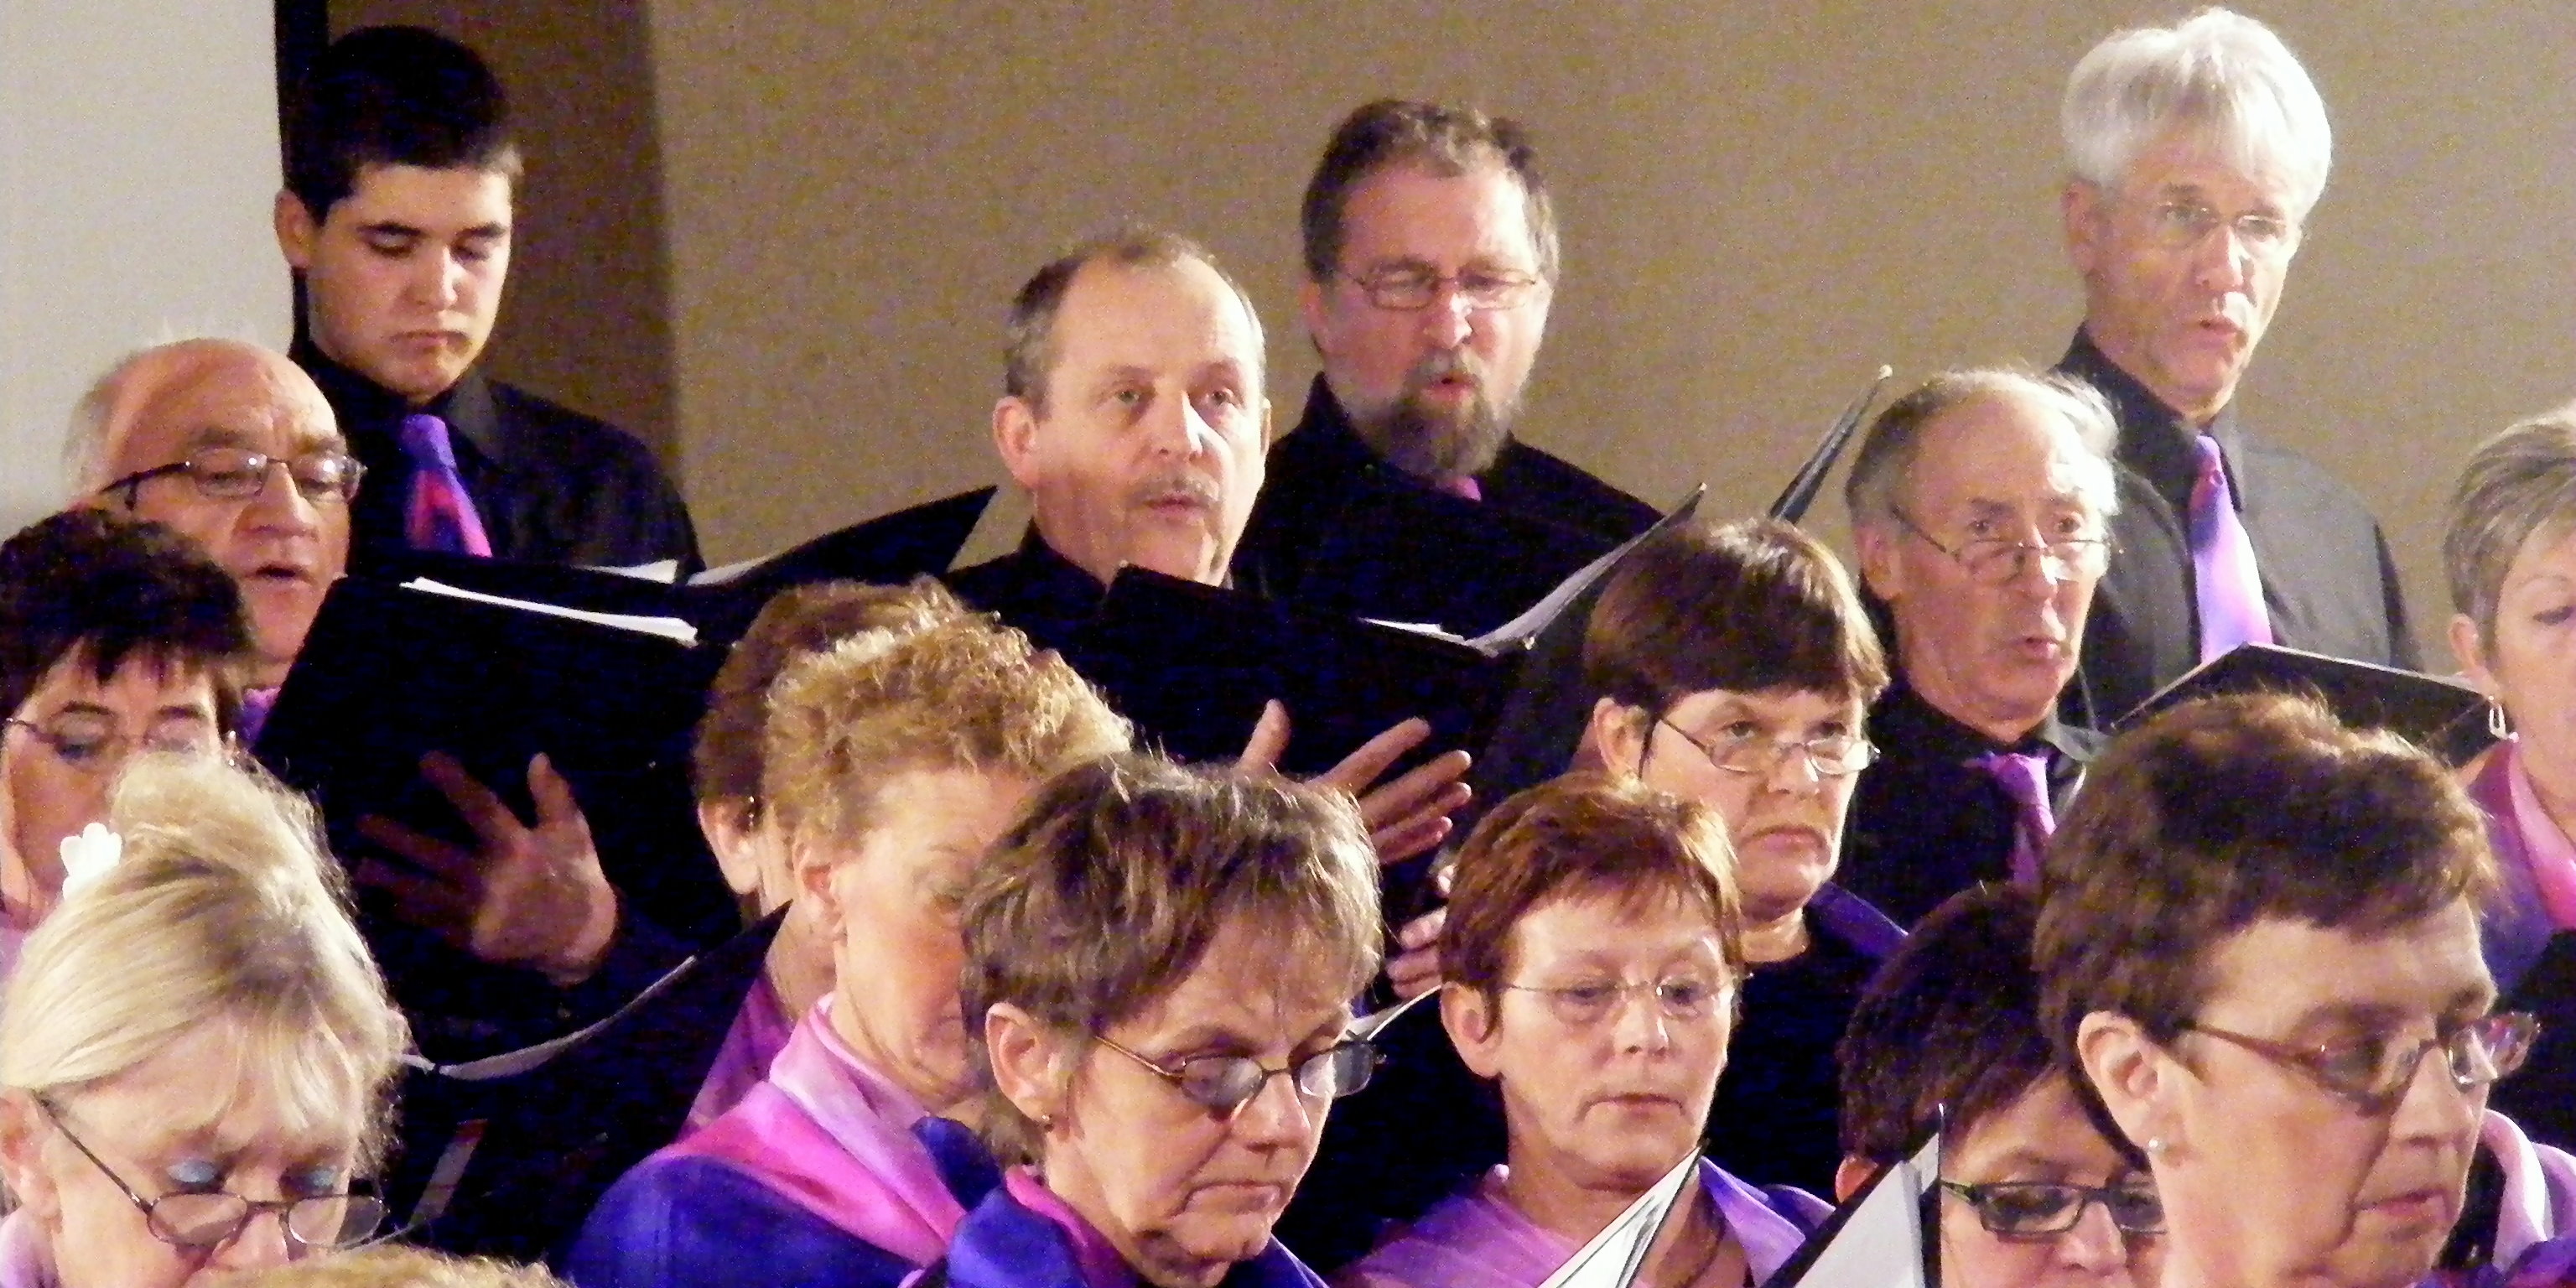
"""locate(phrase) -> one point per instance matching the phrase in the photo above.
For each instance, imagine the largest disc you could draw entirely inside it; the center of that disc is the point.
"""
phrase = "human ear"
(1015, 437)
(2468, 648)
(1881, 568)
(1029, 1062)
(2130, 1074)
(1473, 1028)
(1616, 737)
(296, 230)
(22, 1137)
(1851, 1174)
(725, 822)
(814, 866)
(2080, 209)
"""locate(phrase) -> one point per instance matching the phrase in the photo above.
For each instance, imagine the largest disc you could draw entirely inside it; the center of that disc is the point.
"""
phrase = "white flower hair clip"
(89, 856)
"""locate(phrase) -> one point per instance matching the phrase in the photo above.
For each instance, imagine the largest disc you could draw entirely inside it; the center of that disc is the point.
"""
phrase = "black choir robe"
(2328, 580)
(1925, 824)
(550, 484)
(1309, 478)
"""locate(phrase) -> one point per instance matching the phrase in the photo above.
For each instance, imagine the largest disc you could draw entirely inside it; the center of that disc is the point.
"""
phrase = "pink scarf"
(1101, 1265)
(835, 1137)
(2552, 857)
(1477, 1239)
(760, 1031)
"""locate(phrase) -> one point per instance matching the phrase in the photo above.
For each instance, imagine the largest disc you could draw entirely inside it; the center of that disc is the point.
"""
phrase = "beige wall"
(586, 318)
(1761, 202)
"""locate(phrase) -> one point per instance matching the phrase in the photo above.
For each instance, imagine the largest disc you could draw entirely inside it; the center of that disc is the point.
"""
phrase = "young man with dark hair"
(400, 178)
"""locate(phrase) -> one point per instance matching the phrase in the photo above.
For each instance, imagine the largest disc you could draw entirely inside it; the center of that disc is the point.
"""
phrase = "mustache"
(1179, 485)
(1441, 365)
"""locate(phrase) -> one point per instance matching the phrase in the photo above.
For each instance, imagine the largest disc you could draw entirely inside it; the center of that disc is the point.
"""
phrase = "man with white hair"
(1980, 504)
(2196, 152)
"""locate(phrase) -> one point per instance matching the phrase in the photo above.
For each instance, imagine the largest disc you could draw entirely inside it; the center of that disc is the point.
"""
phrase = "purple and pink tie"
(441, 517)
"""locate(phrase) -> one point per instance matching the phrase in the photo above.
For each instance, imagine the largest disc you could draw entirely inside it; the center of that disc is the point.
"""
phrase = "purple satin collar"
(1093, 1254)
(25, 1262)
(835, 1136)
(760, 1031)
(1477, 1239)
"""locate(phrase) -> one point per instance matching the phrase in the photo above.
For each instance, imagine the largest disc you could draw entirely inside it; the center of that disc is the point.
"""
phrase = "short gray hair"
(2517, 485)
(1028, 350)
(1885, 462)
(2221, 74)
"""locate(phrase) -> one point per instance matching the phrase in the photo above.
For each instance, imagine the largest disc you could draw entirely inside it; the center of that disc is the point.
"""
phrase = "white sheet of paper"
(669, 628)
(1611, 1259)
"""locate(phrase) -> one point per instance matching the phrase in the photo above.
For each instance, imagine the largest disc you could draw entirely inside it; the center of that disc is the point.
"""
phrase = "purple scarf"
(836, 1137)
(2534, 857)
(1477, 1239)
(1008, 1243)
(760, 1031)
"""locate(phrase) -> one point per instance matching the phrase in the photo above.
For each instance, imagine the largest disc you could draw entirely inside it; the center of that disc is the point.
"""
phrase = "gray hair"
(1028, 352)
(1885, 463)
(2517, 485)
(2220, 74)
(86, 451)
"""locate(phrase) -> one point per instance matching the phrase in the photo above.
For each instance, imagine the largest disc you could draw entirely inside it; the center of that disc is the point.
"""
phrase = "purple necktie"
(2024, 778)
(2229, 590)
(441, 517)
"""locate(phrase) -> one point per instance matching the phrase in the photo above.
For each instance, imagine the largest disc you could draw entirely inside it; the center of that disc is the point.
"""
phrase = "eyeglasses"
(1225, 1083)
(2373, 1072)
(94, 745)
(1995, 561)
(2028, 1209)
(2181, 225)
(233, 474)
(1741, 748)
(1405, 289)
(1584, 1005)
(211, 1218)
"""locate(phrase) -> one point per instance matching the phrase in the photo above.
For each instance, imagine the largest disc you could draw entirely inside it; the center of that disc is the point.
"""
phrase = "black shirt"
(1777, 1116)
(551, 485)
(1034, 590)
(1539, 519)
(1925, 824)
(2329, 583)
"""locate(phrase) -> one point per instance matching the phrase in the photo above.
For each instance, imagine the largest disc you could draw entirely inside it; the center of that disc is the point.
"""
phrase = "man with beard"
(1431, 259)
(2195, 153)
(1980, 504)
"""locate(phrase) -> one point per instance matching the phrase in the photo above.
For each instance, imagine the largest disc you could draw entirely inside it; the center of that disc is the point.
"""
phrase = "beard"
(1433, 442)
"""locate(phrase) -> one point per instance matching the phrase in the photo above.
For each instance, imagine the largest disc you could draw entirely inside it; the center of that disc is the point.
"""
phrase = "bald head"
(177, 402)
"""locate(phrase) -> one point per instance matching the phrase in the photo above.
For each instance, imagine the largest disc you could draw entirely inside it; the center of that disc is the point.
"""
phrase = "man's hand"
(524, 896)
(1406, 817)
(1415, 969)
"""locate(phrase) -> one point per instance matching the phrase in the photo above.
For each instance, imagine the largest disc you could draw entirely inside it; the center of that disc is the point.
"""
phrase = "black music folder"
(1401, 553)
(2447, 716)
(391, 673)
(890, 549)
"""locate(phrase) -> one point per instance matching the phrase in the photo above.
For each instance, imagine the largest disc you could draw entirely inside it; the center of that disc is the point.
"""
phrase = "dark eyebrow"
(390, 228)
(216, 436)
(484, 232)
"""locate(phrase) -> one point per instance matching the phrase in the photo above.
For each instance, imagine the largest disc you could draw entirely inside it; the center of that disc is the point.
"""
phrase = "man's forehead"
(1154, 316)
(217, 396)
(439, 201)
(1993, 445)
(1413, 209)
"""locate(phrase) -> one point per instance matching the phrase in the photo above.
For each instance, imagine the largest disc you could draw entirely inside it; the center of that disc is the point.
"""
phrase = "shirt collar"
(2156, 441)
(367, 408)
(1904, 719)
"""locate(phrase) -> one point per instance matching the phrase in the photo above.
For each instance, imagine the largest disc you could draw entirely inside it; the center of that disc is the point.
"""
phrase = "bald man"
(195, 435)
(192, 435)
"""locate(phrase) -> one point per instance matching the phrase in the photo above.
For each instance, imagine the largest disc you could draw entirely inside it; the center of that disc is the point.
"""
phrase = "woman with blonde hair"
(196, 1050)
(889, 760)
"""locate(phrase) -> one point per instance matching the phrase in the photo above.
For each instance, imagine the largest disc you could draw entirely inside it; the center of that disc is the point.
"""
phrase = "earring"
(1046, 1122)
(2156, 1146)
(2497, 725)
